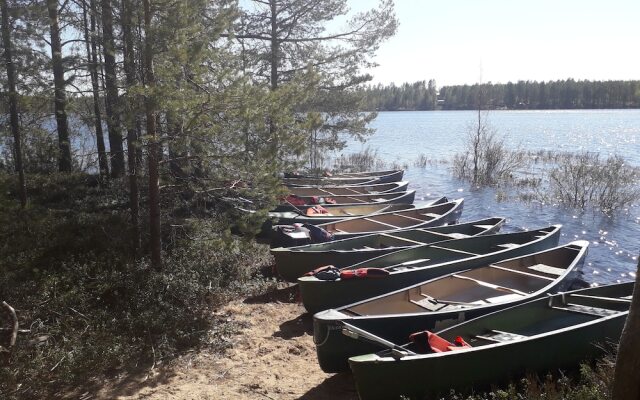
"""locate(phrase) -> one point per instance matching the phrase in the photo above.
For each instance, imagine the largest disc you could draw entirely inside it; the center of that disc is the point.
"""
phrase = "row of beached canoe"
(417, 304)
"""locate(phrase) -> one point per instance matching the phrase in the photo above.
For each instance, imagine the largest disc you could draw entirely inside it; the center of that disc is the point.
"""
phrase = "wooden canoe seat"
(548, 269)
(508, 245)
(483, 227)
(408, 217)
(500, 336)
(381, 223)
(429, 304)
(490, 285)
(621, 300)
(453, 250)
(515, 271)
(401, 238)
(432, 215)
(456, 235)
(588, 310)
(356, 199)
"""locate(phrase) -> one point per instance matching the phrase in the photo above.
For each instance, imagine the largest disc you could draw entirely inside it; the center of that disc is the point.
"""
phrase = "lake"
(615, 241)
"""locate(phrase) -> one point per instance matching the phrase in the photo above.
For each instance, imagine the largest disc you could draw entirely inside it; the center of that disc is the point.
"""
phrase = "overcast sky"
(459, 41)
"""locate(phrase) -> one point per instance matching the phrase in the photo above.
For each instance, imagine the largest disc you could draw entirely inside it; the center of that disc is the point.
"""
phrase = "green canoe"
(330, 201)
(387, 177)
(334, 214)
(421, 263)
(543, 335)
(293, 262)
(444, 301)
(348, 190)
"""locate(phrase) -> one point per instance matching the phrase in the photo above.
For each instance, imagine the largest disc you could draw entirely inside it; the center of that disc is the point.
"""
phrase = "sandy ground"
(273, 357)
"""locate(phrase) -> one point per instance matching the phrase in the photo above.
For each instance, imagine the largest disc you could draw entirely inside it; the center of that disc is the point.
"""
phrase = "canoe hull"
(293, 262)
(552, 340)
(333, 348)
(389, 379)
(406, 197)
(320, 295)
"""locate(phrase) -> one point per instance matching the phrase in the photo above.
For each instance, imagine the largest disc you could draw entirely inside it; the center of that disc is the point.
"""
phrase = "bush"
(584, 179)
(90, 307)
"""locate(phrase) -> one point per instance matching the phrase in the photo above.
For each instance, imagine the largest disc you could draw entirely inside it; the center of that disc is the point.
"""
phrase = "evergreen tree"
(285, 40)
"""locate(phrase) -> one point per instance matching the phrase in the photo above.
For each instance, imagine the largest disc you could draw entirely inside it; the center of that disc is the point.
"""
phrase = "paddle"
(356, 333)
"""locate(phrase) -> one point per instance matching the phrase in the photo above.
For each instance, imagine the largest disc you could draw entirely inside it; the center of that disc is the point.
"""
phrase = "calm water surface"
(615, 241)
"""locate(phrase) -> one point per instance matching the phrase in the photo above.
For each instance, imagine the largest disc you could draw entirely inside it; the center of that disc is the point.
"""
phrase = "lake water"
(615, 241)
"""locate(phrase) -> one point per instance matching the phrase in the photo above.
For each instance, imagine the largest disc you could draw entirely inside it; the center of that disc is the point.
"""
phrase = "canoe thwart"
(547, 269)
(588, 310)
(500, 336)
(515, 271)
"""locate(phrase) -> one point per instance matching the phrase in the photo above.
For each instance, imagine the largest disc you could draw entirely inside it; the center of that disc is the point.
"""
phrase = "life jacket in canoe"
(426, 341)
(317, 234)
(362, 273)
(317, 210)
(325, 273)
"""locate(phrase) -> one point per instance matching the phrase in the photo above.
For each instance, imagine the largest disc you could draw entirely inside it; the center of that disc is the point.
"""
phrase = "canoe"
(444, 301)
(293, 262)
(440, 212)
(393, 176)
(327, 201)
(337, 190)
(421, 263)
(343, 174)
(547, 334)
(308, 216)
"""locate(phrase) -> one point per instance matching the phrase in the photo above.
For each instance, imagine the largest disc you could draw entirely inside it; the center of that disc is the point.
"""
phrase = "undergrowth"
(91, 309)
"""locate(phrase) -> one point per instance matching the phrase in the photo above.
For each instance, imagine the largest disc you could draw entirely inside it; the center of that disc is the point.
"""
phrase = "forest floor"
(272, 357)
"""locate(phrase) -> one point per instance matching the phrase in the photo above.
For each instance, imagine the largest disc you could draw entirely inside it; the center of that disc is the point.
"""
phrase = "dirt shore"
(273, 357)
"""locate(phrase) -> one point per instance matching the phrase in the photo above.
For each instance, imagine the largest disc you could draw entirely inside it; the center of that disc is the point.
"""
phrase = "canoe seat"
(456, 235)
(547, 269)
(381, 223)
(402, 239)
(433, 246)
(500, 336)
(429, 304)
(515, 271)
(431, 215)
(589, 310)
(483, 227)
(508, 245)
(408, 217)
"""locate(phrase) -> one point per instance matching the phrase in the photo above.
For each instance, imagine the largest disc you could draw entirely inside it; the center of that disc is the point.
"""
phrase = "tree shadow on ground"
(132, 383)
(287, 294)
(302, 324)
(337, 387)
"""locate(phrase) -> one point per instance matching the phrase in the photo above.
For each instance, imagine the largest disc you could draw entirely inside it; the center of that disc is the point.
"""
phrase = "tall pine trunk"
(92, 62)
(274, 61)
(13, 102)
(64, 156)
(112, 102)
(154, 144)
(626, 385)
(131, 123)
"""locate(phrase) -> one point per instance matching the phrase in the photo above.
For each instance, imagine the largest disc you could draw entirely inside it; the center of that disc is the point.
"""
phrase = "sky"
(467, 41)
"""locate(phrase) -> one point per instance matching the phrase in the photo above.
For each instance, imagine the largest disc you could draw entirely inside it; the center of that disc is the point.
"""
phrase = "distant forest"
(564, 94)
